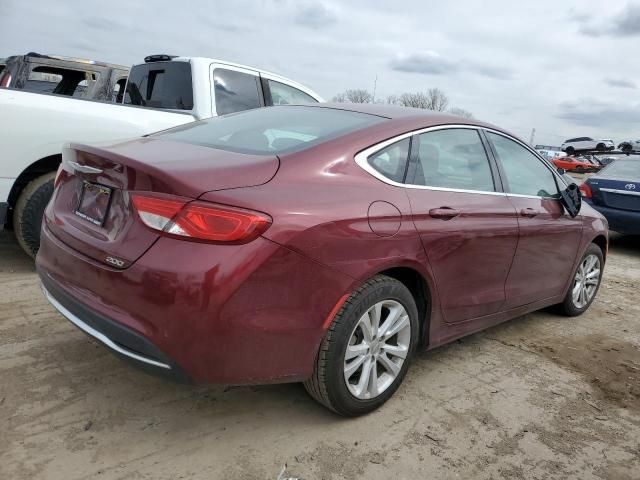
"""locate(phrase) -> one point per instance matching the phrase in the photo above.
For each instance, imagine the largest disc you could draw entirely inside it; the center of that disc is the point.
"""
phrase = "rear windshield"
(160, 85)
(623, 170)
(272, 130)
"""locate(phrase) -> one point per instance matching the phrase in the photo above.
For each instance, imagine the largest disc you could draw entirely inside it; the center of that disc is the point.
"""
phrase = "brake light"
(60, 175)
(200, 221)
(5, 80)
(586, 190)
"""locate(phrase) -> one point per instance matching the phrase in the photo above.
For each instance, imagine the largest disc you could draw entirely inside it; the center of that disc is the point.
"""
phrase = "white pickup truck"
(161, 93)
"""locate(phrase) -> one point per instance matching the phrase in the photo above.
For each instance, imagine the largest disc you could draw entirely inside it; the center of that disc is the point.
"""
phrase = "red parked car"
(321, 244)
(573, 164)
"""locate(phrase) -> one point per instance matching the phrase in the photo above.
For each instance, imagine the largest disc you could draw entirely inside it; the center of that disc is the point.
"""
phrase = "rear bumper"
(122, 341)
(237, 314)
(4, 208)
(621, 221)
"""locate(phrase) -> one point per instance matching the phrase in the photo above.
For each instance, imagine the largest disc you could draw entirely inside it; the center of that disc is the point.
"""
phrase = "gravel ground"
(539, 397)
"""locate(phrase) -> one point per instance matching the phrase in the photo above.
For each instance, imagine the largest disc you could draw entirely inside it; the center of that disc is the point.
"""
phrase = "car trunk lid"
(620, 194)
(92, 212)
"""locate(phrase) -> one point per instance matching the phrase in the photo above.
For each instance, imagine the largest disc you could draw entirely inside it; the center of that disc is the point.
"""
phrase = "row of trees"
(432, 99)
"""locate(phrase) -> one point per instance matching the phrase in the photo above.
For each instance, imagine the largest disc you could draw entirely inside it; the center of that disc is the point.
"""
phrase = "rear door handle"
(444, 213)
(528, 212)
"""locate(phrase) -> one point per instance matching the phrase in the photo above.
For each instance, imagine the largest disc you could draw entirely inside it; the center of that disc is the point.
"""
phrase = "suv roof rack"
(158, 58)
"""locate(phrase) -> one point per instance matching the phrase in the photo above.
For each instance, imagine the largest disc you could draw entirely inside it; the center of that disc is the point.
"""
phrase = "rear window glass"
(235, 91)
(623, 170)
(272, 130)
(160, 85)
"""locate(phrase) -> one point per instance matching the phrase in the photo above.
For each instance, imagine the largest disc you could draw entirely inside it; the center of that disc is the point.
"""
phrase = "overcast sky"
(567, 68)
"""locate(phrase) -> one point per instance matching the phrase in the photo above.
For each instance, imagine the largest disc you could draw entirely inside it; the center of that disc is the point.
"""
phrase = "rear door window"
(160, 85)
(282, 94)
(235, 91)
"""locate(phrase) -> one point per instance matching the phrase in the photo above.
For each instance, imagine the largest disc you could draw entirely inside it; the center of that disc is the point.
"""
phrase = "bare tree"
(415, 100)
(354, 95)
(340, 98)
(392, 100)
(359, 95)
(460, 112)
(432, 99)
(438, 100)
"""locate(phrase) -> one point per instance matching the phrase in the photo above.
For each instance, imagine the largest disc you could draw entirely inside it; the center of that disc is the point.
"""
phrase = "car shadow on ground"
(629, 244)
(12, 258)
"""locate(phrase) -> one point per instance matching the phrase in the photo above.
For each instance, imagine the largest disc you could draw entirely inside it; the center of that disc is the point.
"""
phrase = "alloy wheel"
(377, 349)
(586, 281)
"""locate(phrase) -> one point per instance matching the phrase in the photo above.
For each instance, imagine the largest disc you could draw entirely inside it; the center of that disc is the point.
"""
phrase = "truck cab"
(206, 87)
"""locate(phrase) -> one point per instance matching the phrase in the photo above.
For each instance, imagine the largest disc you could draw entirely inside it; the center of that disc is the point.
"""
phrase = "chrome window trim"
(362, 158)
(622, 192)
(101, 337)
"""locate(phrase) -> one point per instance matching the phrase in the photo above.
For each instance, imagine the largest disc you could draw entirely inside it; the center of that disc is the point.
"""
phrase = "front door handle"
(528, 212)
(444, 213)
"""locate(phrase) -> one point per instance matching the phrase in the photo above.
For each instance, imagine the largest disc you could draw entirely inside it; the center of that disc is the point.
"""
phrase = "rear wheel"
(29, 210)
(586, 282)
(367, 349)
(579, 170)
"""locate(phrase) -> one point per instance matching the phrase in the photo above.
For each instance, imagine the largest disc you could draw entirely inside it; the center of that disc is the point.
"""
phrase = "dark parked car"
(321, 244)
(615, 192)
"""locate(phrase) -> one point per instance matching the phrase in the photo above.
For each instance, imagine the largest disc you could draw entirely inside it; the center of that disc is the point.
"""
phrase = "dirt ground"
(540, 397)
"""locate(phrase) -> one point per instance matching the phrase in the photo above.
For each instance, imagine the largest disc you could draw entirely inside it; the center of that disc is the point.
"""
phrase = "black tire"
(570, 150)
(627, 149)
(579, 170)
(568, 307)
(327, 385)
(29, 210)
(601, 147)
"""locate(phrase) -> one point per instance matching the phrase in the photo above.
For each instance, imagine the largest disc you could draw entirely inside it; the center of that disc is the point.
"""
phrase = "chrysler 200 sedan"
(321, 244)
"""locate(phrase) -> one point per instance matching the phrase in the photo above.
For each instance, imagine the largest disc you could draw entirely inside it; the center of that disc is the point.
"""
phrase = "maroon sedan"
(321, 244)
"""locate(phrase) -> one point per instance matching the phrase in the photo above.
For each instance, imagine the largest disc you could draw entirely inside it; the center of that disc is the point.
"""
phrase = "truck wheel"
(27, 215)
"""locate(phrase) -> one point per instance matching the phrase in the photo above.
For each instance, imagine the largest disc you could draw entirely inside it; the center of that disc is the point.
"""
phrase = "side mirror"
(561, 171)
(572, 199)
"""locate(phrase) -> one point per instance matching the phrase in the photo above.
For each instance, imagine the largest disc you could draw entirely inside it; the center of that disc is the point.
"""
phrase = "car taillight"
(60, 175)
(5, 80)
(585, 189)
(200, 221)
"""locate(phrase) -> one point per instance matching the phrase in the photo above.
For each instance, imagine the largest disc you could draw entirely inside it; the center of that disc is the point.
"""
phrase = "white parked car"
(630, 146)
(161, 93)
(584, 144)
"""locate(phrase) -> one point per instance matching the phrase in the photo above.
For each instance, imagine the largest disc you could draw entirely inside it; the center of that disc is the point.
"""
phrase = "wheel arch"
(40, 167)
(601, 242)
(421, 292)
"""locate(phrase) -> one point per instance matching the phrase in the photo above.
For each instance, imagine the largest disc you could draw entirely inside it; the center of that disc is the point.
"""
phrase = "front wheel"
(586, 282)
(570, 151)
(366, 351)
(601, 147)
(29, 210)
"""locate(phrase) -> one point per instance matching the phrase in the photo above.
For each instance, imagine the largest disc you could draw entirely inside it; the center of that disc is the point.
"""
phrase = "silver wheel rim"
(377, 349)
(586, 281)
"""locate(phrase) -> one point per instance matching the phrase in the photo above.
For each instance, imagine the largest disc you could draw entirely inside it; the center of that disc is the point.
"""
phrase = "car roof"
(421, 116)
